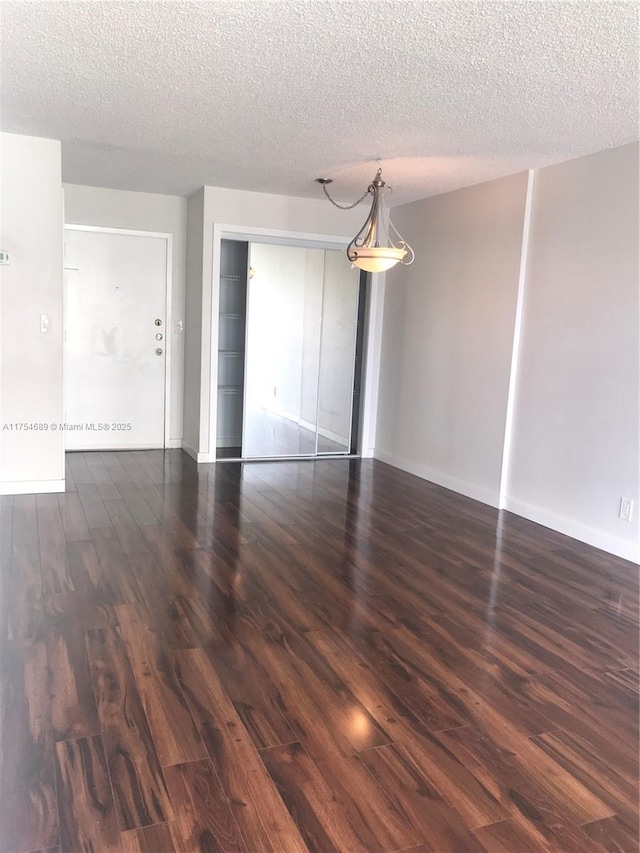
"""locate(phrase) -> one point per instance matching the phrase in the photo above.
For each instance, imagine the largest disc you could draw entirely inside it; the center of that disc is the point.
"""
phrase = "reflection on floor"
(270, 434)
(329, 656)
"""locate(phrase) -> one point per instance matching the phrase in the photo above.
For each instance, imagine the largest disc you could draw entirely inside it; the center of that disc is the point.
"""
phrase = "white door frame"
(373, 332)
(168, 323)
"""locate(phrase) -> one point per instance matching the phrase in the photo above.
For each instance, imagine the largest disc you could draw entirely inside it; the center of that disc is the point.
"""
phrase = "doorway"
(288, 351)
(116, 338)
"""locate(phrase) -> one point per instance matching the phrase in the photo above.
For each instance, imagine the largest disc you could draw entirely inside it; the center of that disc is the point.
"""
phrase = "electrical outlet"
(626, 509)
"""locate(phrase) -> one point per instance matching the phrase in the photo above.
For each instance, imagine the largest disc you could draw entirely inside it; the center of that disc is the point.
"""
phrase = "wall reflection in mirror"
(287, 351)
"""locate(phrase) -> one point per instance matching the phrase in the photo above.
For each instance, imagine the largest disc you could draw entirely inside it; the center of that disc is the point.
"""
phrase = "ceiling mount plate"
(324, 181)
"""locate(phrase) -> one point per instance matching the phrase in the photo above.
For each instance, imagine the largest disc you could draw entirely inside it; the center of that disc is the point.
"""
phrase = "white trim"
(212, 336)
(168, 341)
(173, 443)
(623, 548)
(300, 421)
(63, 344)
(111, 448)
(31, 487)
(370, 378)
(301, 458)
(189, 451)
(322, 431)
(209, 317)
(308, 425)
(287, 238)
(104, 229)
(471, 490)
(616, 545)
(198, 457)
(248, 349)
(168, 326)
(515, 350)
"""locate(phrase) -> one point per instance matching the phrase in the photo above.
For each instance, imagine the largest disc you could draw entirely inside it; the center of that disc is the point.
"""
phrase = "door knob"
(158, 351)
(158, 337)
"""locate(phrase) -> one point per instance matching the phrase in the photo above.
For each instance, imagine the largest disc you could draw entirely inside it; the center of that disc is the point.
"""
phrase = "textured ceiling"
(262, 95)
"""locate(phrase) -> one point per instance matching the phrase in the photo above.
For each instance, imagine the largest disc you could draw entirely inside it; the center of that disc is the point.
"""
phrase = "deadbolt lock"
(158, 322)
(158, 351)
(158, 337)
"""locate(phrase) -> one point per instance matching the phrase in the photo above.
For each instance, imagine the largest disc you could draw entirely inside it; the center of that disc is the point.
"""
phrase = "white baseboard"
(619, 547)
(616, 545)
(107, 448)
(325, 433)
(189, 451)
(471, 490)
(169, 443)
(199, 457)
(300, 421)
(31, 487)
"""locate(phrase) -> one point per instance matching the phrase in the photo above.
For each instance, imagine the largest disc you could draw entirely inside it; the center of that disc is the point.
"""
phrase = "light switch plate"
(4, 257)
(46, 322)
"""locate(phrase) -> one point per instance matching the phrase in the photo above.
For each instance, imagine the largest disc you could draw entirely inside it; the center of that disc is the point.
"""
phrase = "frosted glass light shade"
(377, 258)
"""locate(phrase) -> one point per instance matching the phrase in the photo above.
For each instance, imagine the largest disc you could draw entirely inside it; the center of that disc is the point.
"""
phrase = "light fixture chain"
(344, 206)
(365, 251)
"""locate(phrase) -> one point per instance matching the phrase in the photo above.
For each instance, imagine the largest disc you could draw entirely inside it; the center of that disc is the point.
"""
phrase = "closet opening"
(291, 335)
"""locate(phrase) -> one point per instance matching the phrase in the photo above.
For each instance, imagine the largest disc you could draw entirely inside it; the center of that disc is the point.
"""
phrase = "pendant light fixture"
(365, 250)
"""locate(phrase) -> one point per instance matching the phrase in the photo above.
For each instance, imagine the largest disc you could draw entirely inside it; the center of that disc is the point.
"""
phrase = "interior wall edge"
(370, 394)
(516, 339)
(194, 282)
(31, 363)
(197, 456)
(575, 424)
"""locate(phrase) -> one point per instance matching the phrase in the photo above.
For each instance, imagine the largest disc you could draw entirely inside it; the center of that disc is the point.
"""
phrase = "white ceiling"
(266, 95)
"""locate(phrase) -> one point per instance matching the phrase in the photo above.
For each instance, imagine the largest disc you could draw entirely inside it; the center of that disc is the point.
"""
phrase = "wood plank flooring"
(307, 656)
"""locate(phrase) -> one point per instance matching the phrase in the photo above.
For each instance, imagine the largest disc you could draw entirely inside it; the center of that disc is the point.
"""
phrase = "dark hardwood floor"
(309, 656)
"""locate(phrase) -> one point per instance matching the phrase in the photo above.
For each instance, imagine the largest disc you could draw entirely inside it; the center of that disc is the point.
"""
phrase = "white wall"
(144, 212)
(448, 335)
(30, 361)
(449, 344)
(575, 438)
(248, 213)
(193, 326)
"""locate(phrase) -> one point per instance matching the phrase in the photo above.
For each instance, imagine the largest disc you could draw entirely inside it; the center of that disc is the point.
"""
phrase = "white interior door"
(115, 340)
